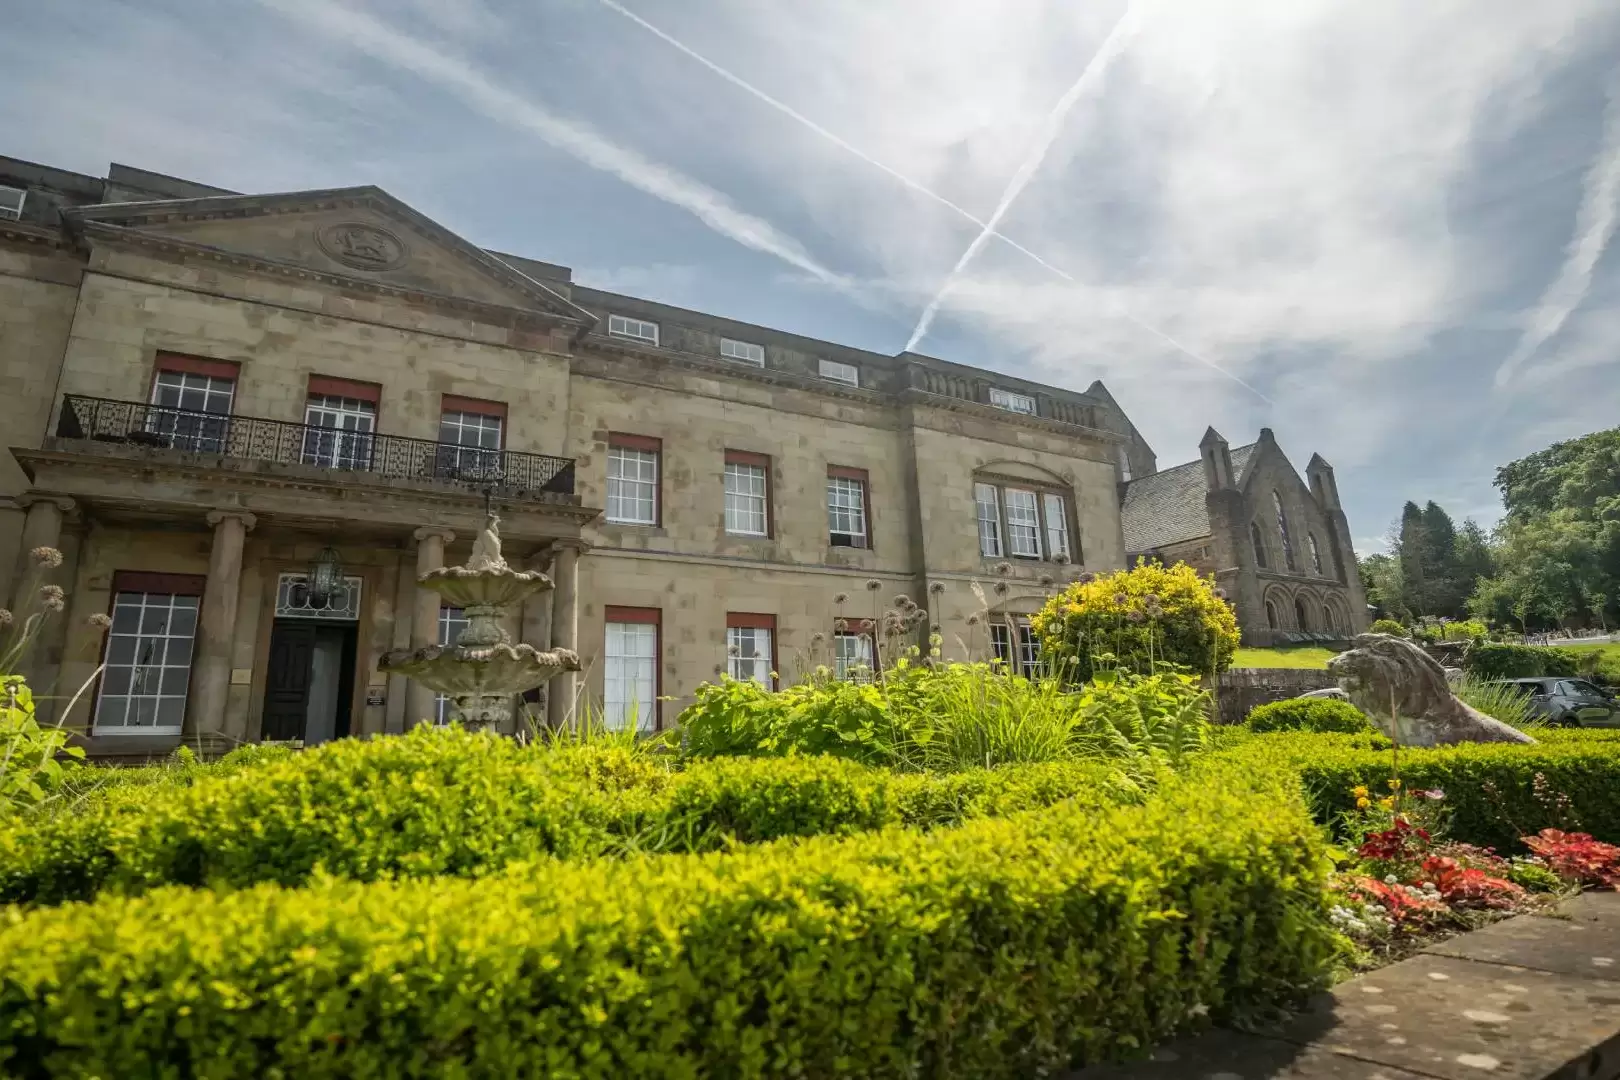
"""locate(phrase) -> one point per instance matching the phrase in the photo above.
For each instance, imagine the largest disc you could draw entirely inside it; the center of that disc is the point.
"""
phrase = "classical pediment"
(362, 234)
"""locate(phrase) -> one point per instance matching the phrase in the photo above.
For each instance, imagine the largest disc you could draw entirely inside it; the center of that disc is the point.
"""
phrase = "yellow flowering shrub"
(1140, 617)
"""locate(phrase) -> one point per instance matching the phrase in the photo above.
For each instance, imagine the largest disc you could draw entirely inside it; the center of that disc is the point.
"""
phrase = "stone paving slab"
(1228, 1055)
(1462, 1020)
(1585, 941)
(1529, 998)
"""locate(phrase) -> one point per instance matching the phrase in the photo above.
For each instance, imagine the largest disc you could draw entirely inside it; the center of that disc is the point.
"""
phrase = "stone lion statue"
(1384, 674)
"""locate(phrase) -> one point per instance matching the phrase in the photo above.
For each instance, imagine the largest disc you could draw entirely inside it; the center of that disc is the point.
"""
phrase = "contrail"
(1595, 221)
(584, 143)
(909, 182)
(1111, 47)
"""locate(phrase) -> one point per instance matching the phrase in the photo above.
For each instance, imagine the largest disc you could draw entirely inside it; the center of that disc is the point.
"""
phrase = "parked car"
(1570, 702)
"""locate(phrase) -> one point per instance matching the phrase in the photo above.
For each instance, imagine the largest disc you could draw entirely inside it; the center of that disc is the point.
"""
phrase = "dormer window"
(11, 202)
(634, 329)
(744, 352)
(1018, 403)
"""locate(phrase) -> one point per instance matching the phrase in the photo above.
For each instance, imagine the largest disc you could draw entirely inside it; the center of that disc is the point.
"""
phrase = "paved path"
(1530, 998)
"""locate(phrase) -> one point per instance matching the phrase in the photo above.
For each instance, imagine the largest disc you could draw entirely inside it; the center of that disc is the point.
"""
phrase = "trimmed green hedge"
(1582, 766)
(998, 948)
(445, 802)
(1308, 714)
(1496, 660)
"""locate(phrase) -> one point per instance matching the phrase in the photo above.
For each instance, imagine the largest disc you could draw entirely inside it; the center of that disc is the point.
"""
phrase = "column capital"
(247, 519)
(429, 532)
(62, 502)
(570, 543)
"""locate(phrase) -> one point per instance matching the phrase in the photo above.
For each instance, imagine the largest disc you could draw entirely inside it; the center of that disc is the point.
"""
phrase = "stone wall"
(38, 292)
(1241, 689)
(122, 324)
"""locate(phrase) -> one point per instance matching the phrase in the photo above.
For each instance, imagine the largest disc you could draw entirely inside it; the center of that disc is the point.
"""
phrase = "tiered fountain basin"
(484, 671)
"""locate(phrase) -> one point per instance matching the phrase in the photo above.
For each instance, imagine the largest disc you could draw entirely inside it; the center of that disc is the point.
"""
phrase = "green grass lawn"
(1298, 656)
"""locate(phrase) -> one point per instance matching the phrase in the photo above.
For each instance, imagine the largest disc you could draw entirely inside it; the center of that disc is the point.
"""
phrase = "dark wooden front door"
(286, 695)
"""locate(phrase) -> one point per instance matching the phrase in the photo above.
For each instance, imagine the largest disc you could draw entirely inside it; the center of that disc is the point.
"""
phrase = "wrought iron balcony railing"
(254, 438)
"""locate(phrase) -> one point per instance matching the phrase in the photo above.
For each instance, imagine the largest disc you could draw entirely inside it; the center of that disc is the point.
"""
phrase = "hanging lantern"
(325, 577)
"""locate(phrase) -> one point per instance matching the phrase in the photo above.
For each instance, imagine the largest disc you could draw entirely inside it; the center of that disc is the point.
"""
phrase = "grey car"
(1570, 702)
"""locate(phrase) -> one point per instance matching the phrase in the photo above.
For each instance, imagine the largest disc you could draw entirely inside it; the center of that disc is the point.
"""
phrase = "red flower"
(1401, 841)
(1403, 906)
(1467, 886)
(1577, 857)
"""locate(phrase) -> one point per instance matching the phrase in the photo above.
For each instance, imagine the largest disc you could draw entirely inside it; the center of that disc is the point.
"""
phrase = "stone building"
(249, 421)
(1279, 545)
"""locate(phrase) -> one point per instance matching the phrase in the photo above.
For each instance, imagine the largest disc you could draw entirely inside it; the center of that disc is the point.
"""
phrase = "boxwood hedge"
(1492, 790)
(1308, 714)
(445, 802)
(1000, 947)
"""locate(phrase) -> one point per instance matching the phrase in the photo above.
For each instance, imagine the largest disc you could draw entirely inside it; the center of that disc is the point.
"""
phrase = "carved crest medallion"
(364, 247)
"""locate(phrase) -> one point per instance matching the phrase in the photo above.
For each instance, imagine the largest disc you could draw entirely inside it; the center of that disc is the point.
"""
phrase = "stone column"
(430, 541)
(42, 527)
(560, 692)
(216, 625)
(404, 620)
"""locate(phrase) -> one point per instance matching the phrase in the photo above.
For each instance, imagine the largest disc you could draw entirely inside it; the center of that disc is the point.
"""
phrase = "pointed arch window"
(1316, 553)
(1282, 530)
(1259, 542)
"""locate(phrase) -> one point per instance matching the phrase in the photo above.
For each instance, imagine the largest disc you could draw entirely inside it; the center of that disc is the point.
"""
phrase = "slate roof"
(1168, 506)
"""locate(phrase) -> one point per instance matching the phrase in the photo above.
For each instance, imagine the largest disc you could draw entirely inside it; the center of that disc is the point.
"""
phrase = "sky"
(1383, 229)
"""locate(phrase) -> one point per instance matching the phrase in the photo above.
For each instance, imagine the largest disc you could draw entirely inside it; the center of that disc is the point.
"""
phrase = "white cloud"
(488, 97)
(1595, 222)
(1267, 183)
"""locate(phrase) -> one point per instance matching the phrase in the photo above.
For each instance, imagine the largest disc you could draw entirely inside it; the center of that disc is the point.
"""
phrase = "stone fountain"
(483, 671)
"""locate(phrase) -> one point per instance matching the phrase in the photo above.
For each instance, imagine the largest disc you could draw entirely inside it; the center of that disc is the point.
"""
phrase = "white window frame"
(190, 394)
(630, 675)
(11, 202)
(452, 621)
(839, 372)
(1042, 525)
(344, 429)
(749, 654)
(632, 485)
(1055, 515)
(853, 659)
(748, 511)
(1014, 643)
(1012, 401)
(987, 508)
(168, 680)
(632, 329)
(470, 443)
(846, 505)
(744, 352)
(1023, 522)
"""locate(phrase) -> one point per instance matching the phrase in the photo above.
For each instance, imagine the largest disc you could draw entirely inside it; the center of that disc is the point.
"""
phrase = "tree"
(1381, 578)
(1558, 547)
(1447, 593)
(1475, 559)
(1414, 588)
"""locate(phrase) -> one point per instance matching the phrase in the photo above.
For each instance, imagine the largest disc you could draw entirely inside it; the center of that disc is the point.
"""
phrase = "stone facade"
(1278, 544)
(114, 291)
